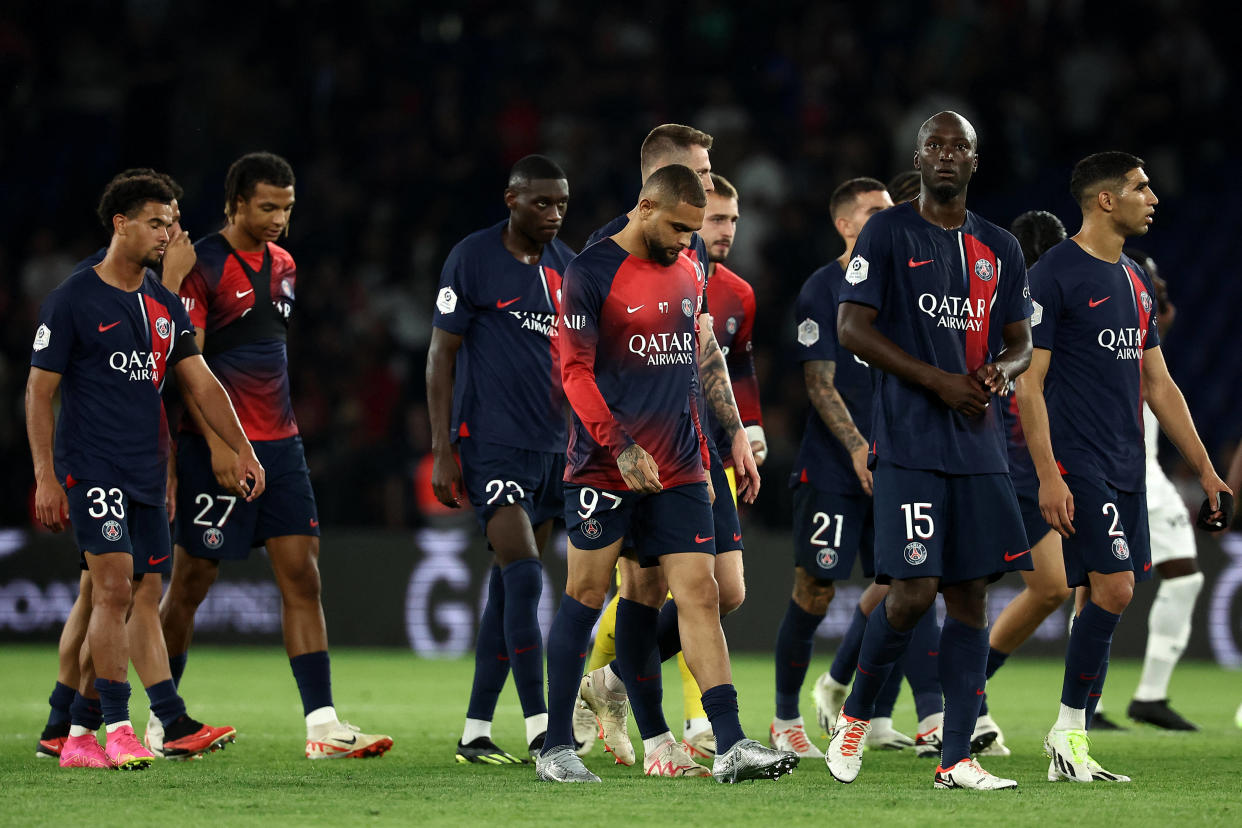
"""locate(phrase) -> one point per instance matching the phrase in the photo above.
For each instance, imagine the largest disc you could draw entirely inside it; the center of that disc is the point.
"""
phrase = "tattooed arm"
(819, 375)
(718, 391)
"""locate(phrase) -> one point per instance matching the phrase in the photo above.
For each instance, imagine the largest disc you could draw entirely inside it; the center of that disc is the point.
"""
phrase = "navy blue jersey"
(1097, 318)
(944, 297)
(1021, 466)
(113, 350)
(508, 385)
(822, 460)
(94, 259)
(628, 349)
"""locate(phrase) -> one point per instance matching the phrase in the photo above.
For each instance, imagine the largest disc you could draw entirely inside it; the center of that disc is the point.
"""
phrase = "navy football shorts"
(953, 527)
(831, 531)
(105, 520)
(497, 476)
(675, 520)
(1111, 532)
(727, 525)
(1033, 523)
(216, 524)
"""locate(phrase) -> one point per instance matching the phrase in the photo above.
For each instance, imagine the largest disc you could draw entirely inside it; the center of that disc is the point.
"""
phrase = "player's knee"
(1050, 597)
(731, 597)
(111, 593)
(302, 586)
(590, 595)
(1113, 596)
(811, 594)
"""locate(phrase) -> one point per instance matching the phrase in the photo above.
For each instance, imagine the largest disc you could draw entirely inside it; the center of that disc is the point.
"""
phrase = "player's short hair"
(723, 187)
(127, 195)
(251, 170)
(905, 186)
(1037, 232)
(1101, 171)
(533, 168)
(847, 192)
(674, 184)
(178, 193)
(667, 137)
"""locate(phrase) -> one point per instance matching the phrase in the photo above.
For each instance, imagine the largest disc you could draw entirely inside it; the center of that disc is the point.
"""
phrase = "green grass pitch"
(1180, 779)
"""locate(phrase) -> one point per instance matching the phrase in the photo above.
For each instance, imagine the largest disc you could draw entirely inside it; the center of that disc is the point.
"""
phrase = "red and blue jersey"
(628, 336)
(732, 303)
(822, 461)
(944, 297)
(1097, 318)
(113, 350)
(508, 385)
(243, 302)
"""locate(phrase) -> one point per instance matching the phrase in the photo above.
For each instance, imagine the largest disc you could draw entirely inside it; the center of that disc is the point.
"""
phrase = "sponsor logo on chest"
(959, 313)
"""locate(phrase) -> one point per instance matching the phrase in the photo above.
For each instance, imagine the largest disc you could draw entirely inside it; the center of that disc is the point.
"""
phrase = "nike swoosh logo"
(647, 678)
(1009, 557)
(865, 673)
(736, 537)
(521, 650)
(1094, 302)
(978, 692)
(1085, 677)
(628, 309)
(352, 740)
(314, 523)
(155, 561)
(1147, 566)
(500, 304)
(241, 293)
(103, 327)
(698, 539)
(913, 263)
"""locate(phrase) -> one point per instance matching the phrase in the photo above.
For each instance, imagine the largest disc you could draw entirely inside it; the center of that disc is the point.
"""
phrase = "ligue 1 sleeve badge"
(915, 553)
(857, 270)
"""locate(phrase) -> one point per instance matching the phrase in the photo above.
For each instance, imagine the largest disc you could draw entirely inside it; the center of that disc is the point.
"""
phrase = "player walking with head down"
(495, 320)
(240, 296)
(1097, 357)
(636, 467)
(935, 299)
(106, 340)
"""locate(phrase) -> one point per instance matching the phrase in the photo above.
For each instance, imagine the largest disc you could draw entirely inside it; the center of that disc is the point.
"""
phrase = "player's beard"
(152, 259)
(663, 256)
(945, 191)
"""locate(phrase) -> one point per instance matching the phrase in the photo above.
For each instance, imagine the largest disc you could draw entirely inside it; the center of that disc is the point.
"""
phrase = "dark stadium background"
(402, 119)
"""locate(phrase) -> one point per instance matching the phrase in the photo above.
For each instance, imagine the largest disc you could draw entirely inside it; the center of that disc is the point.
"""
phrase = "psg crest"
(1121, 550)
(915, 553)
(163, 327)
(827, 558)
(213, 538)
(983, 269)
(1146, 300)
(687, 307)
(111, 531)
(591, 528)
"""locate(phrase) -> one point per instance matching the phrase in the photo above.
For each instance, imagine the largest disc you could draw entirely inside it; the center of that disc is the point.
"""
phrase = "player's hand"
(224, 467)
(249, 477)
(964, 393)
(1213, 486)
(858, 457)
(639, 470)
(446, 482)
(993, 378)
(179, 259)
(745, 470)
(1056, 504)
(51, 504)
(758, 443)
(711, 490)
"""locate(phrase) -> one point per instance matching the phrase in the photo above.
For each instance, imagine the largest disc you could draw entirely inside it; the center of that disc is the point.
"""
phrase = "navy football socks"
(846, 660)
(165, 703)
(491, 654)
(720, 704)
(887, 699)
(568, 641)
(963, 663)
(638, 665)
(85, 712)
(795, 641)
(1087, 654)
(313, 674)
(922, 667)
(667, 632)
(113, 700)
(523, 584)
(996, 660)
(1097, 687)
(60, 700)
(881, 647)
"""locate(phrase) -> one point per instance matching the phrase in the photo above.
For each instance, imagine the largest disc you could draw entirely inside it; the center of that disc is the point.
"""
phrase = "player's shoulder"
(822, 285)
(603, 257)
(992, 234)
(91, 260)
(557, 254)
(211, 251)
(610, 229)
(723, 277)
(81, 283)
(1063, 263)
(281, 258)
(898, 216)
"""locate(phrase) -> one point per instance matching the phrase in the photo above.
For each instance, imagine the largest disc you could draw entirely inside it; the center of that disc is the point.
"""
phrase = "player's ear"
(511, 197)
(645, 208)
(917, 165)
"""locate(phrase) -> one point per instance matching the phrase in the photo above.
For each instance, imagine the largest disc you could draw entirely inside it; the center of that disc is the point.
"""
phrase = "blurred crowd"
(401, 121)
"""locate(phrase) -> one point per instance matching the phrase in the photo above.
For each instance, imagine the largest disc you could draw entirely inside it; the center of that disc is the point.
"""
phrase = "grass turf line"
(264, 779)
